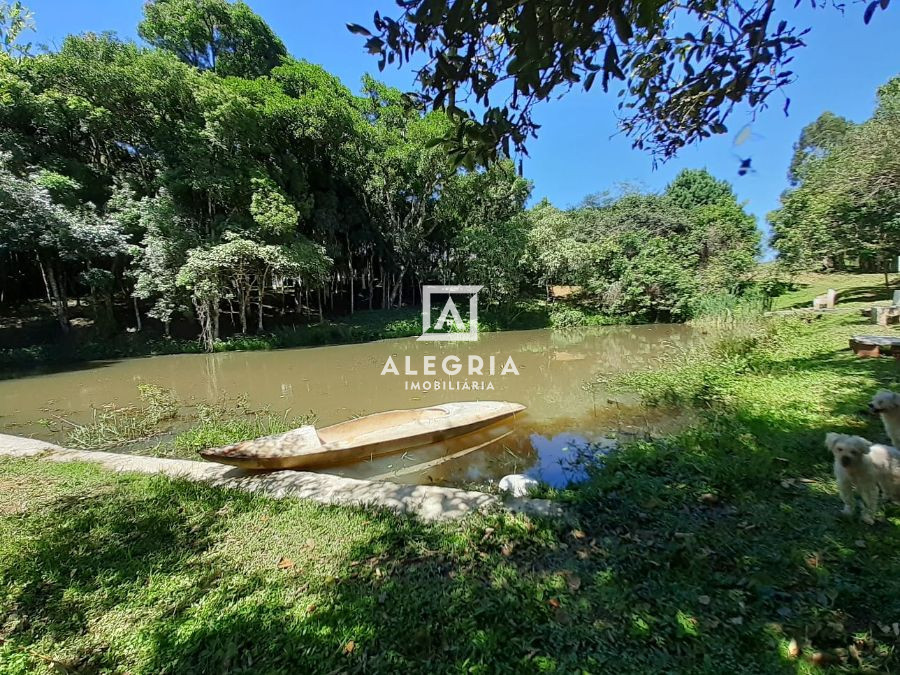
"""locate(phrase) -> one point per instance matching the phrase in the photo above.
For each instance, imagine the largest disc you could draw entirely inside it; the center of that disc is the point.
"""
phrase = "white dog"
(867, 468)
(887, 404)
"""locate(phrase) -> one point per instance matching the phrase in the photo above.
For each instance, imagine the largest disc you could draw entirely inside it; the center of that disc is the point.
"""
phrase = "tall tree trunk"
(371, 281)
(352, 292)
(261, 295)
(319, 302)
(57, 299)
(397, 293)
(245, 308)
(46, 283)
(137, 314)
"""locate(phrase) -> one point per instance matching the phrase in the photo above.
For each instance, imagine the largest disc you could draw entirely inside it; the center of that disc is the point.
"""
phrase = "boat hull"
(366, 437)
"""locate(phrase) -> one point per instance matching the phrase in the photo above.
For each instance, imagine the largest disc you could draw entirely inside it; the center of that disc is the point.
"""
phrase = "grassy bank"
(718, 550)
(161, 425)
(364, 326)
(854, 290)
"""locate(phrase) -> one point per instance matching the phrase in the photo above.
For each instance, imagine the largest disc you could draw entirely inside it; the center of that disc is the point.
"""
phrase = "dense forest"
(843, 209)
(209, 179)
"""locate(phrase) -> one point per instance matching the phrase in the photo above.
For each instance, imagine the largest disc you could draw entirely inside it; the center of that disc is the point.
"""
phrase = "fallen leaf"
(709, 498)
(507, 549)
(793, 649)
(349, 647)
(285, 563)
(578, 534)
(487, 534)
(311, 608)
(854, 652)
(554, 603)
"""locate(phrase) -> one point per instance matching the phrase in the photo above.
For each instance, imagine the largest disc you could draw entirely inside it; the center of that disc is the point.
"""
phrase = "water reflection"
(340, 382)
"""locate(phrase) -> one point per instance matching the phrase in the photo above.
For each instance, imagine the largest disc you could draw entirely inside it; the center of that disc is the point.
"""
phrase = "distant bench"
(825, 301)
(875, 346)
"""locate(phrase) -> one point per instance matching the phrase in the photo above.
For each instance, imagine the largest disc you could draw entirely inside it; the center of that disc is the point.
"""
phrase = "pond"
(555, 371)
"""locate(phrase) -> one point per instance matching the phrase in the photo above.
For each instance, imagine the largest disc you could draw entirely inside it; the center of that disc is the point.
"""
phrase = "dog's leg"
(870, 499)
(845, 488)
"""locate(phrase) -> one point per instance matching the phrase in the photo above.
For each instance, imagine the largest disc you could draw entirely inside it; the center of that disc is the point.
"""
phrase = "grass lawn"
(718, 550)
(854, 290)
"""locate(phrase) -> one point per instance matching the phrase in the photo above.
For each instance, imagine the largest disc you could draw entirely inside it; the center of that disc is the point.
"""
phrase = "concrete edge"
(427, 502)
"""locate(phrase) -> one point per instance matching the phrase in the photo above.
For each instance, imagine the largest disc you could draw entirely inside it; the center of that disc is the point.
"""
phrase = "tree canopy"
(679, 67)
(218, 35)
(844, 210)
(211, 181)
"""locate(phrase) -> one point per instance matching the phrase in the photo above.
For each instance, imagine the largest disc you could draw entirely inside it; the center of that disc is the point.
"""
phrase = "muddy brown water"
(555, 372)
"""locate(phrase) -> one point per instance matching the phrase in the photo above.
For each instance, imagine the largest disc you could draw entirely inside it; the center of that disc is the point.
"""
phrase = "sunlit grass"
(854, 290)
(720, 549)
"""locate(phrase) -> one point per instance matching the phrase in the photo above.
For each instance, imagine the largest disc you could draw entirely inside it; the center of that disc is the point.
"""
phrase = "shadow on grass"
(706, 554)
(862, 294)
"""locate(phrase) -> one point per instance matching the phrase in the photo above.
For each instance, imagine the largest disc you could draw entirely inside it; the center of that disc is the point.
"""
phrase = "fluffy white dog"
(867, 468)
(887, 404)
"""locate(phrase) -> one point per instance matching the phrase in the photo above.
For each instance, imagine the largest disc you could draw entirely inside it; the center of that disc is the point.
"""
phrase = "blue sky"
(578, 151)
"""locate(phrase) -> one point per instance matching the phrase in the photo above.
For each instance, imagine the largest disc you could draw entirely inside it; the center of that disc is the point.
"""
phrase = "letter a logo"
(450, 308)
(450, 315)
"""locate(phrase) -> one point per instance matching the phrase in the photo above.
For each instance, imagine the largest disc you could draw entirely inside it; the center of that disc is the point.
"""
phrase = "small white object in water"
(517, 484)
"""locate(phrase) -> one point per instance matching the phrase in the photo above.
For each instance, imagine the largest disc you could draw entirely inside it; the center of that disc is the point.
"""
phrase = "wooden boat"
(362, 438)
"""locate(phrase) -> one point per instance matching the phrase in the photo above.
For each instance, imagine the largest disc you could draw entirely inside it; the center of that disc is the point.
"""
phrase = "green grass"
(217, 426)
(709, 551)
(148, 574)
(168, 427)
(854, 290)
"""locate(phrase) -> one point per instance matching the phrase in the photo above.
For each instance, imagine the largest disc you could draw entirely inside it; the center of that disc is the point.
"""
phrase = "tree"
(845, 208)
(407, 173)
(553, 255)
(817, 140)
(228, 38)
(723, 236)
(32, 224)
(697, 187)
(15, 19)
(645, 256)
(243, 267)
(682, 66)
